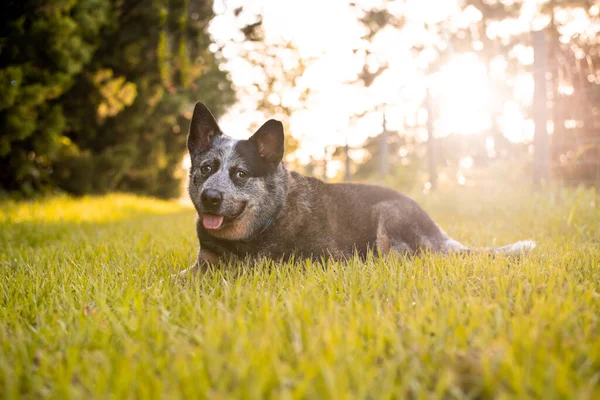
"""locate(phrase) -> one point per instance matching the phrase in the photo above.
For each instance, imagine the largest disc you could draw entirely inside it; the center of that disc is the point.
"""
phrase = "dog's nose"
(211, 199)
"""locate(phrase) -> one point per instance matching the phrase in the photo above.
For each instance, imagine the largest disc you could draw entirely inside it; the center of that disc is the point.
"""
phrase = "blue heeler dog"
(250, 206)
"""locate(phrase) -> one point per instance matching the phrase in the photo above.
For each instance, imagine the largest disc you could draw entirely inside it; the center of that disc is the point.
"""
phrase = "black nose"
(211, 199)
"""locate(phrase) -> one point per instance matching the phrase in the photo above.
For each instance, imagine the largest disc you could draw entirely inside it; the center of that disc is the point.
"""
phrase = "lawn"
(88, 309)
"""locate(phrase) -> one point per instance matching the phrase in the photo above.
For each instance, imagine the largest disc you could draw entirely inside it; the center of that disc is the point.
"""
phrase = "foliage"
(273, 68)
(403, 161)
(100, 93)
(576, 114)
(571, 63)
(43, 48)
(85, 314)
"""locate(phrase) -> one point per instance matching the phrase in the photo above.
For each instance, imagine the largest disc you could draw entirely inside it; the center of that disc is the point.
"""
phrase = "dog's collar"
(264, 228)
(267, 224)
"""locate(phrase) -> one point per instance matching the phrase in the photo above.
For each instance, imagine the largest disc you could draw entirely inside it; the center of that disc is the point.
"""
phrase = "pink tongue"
(211, 221)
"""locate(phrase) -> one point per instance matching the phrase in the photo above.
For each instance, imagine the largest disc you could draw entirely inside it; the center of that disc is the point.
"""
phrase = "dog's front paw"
(186, 272)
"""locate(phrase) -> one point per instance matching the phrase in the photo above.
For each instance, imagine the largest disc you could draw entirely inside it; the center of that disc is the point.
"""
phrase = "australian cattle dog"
(250, 206)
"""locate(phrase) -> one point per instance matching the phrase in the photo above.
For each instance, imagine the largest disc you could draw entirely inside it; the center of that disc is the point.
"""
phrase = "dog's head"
(236, 185)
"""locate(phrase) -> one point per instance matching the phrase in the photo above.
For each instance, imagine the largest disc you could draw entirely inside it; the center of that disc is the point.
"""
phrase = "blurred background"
(96, 95)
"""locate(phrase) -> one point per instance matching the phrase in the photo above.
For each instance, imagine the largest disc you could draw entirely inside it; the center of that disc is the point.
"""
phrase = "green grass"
(84, 313)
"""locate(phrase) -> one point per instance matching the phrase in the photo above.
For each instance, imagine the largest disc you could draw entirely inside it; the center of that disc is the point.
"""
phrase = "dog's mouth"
(211, 221)
(215, 221)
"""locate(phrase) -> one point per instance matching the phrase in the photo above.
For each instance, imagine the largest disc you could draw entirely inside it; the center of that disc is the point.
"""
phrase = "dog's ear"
(269, 141)
(203, 129)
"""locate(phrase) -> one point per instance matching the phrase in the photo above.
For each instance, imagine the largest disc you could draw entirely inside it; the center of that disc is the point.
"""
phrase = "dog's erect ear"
(203, 129)
(269, 141)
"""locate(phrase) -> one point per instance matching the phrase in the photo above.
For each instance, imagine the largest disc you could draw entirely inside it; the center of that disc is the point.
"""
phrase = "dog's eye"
(241, 174)
(205, 169)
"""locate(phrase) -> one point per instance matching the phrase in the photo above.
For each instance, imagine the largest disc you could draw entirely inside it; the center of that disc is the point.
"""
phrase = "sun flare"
(462, 94)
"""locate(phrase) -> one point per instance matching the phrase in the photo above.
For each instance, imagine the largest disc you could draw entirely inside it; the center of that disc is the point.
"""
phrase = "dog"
(250, 206)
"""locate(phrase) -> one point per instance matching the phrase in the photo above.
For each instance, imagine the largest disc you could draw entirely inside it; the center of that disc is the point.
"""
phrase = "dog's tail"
(517, 248)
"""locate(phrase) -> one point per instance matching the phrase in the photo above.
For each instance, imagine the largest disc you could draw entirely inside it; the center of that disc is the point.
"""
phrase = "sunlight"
(462, 93)
(187, 162)
(461, 89)
(466, 162)
(515, 127)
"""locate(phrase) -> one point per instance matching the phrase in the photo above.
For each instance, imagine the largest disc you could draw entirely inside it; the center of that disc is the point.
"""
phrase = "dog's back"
(344, 218)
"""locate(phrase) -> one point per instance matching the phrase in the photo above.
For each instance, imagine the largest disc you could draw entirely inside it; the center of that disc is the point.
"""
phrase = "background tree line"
(573, 79)
(96, 94)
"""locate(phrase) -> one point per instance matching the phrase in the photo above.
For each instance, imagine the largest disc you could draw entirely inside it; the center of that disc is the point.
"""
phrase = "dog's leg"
(188, 271)
(405, 228)
(386, 244)
(202, 264)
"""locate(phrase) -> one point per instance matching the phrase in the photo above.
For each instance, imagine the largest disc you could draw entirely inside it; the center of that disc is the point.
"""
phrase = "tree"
(163, 53)
(573, 82)
(44, 46)
(274, 69)
(123, 114)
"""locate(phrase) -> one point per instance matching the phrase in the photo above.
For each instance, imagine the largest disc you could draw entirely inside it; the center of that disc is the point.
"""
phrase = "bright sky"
(329, 31)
